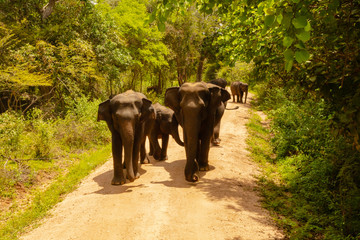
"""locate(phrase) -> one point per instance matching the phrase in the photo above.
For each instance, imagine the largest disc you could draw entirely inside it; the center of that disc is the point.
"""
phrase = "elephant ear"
(218, 93)
(147, 110)
(172, 99)
(225, 95)
(104, 112)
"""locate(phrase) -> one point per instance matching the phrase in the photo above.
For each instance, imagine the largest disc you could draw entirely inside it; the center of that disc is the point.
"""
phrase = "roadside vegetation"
(310, 173)
(60, 59)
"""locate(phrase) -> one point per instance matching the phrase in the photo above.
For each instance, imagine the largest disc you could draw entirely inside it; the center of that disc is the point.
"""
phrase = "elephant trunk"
(127, 135)
(191, 138)
(175, 131)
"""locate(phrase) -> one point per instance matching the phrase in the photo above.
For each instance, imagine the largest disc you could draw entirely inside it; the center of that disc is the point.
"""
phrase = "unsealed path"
(162, 205)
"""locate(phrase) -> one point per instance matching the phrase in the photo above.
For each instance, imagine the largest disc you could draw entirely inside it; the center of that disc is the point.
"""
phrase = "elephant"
(220, 82)
(195, 106)
(126, 115)
(238, 89)
(215, 140)
(164, 125)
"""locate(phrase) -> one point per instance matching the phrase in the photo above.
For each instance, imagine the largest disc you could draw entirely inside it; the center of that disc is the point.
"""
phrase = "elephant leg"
(246, 93)
(143, 153)
(215, 138)
(237, 96)
(118, 178)
(233, 97)
(155, 144)
(151, 146)
(135, 157)
(241, 96)
(203, 156)
(164, 145)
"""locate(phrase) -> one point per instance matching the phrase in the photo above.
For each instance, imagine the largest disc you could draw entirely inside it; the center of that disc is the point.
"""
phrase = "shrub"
(320, 169)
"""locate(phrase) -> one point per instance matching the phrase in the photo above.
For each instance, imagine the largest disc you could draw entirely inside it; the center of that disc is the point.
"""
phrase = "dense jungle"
(59, 59)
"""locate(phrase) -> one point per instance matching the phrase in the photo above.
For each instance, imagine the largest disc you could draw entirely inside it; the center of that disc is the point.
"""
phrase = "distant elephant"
(164, 125)
(238, 89)
(125, 115)
(195, 106)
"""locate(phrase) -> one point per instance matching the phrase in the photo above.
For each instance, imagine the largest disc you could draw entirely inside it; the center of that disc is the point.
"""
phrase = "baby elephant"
(164, 125)
(238, 89)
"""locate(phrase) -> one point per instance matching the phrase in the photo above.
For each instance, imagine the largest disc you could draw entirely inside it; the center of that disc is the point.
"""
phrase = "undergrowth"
(310, 179)
(37, 149)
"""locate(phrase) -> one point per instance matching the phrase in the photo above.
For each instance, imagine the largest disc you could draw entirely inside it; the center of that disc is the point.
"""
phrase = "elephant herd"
(131, 117)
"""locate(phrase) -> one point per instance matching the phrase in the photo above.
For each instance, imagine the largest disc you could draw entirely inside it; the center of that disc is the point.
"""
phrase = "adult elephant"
(164, 125)
(195, 106)
(215, 140)
(220, 82)
(238, 89)
(125, 115)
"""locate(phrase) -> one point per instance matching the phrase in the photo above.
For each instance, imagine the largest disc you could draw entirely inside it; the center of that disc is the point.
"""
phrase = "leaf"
(299, 22)
(286, 21)
(308, 27)
(287, 41)
(302, 56)
(269, 20)
(300, 45)
(288, 65)
(295, 1)
(279, 18)
(161, 26)
(289, 55)
(303, 36)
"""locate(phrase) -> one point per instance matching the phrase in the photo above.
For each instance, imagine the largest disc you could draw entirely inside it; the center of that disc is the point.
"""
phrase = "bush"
(26, 141)
(320, 169)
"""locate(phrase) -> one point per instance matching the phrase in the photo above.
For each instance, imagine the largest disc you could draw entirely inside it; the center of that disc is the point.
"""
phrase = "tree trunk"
(48, 9)
(200, 69)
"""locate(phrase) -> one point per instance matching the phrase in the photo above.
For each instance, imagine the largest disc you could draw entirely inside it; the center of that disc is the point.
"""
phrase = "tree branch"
(48, 8)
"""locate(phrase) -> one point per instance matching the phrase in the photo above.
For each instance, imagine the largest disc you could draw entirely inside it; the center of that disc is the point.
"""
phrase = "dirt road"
(162, 205)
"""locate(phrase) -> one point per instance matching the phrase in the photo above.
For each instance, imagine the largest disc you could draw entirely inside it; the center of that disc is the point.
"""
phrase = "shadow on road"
(174, 168)
(104, 181)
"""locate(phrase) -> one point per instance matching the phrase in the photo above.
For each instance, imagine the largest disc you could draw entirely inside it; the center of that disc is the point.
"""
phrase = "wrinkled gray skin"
(195, 106)
(125, 115)
(238, 89)
(164, 125)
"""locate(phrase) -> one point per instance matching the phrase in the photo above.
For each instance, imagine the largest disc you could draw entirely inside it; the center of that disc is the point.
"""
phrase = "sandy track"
(162, 205)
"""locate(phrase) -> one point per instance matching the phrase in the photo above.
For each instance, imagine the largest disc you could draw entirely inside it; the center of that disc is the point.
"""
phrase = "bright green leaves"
(289, 59)
(303, 36)
(299, 22)
(302, 56)
(287, 41)
(269, 20)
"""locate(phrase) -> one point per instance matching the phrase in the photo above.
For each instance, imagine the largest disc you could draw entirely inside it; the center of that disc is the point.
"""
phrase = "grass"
(44, 200)
(271, 186)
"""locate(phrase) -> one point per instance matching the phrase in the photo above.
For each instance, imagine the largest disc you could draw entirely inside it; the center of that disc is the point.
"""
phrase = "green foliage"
(319, 190)
(44, 199)
(25, 141)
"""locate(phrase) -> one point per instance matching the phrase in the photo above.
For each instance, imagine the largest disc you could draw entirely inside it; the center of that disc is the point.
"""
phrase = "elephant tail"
(234, 108)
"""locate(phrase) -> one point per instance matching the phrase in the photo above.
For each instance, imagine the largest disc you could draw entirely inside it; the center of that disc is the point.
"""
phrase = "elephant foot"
(145, 160)
(216, 142)
(194, 178)
(204, 168)
(137, 175)
(118, 181)
(163, 158)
